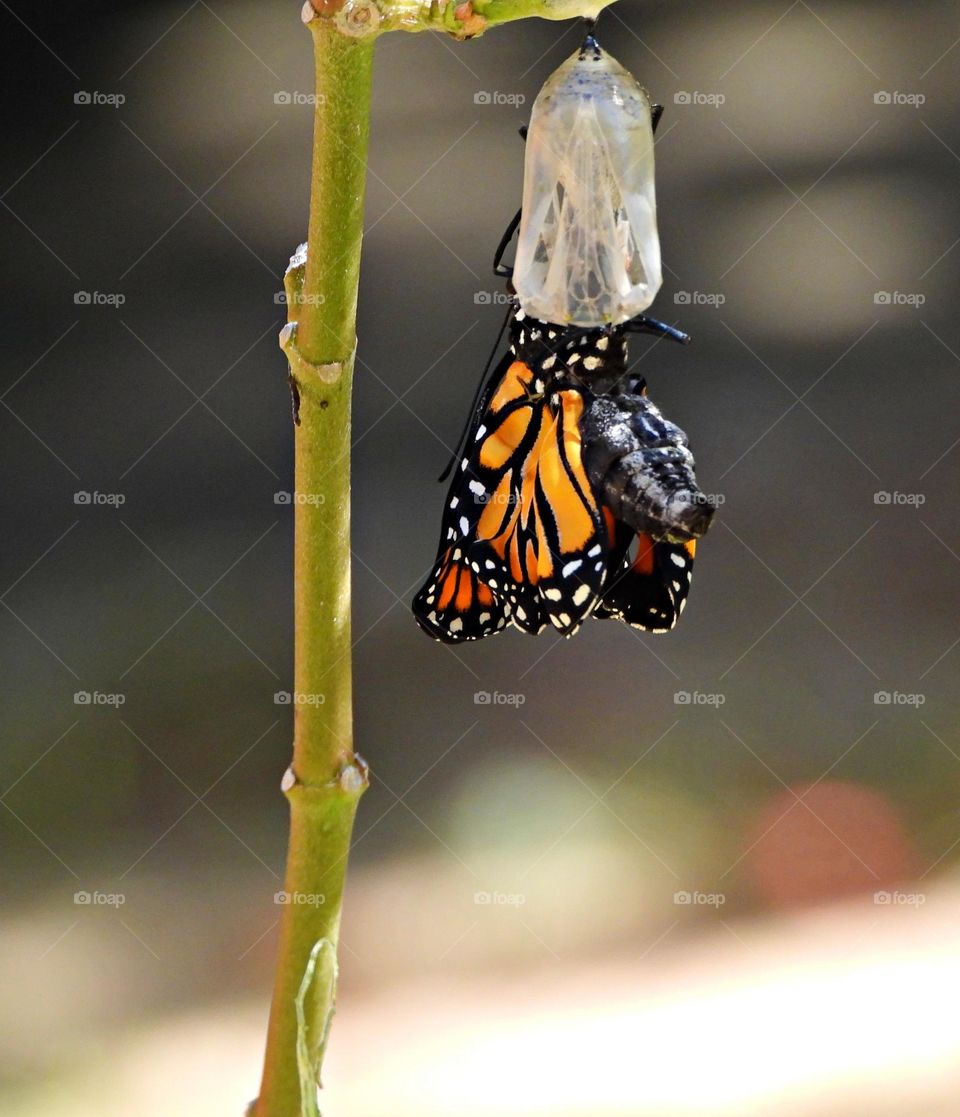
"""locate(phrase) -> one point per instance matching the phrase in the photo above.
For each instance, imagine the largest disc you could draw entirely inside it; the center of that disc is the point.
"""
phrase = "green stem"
(326, 779)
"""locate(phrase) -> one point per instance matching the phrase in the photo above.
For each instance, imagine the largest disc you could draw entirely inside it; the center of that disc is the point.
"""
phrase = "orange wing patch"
(649, 590)
(455, 605)
(541, 541)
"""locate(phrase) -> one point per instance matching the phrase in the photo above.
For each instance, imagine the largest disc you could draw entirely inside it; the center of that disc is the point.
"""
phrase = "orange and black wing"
(454, 605)
(457, 602)
(649, 581)
(540, 541)
(523, 539)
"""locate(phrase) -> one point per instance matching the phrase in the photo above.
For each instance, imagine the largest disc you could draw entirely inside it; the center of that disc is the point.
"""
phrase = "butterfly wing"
(456, 602)
(540, 540)
(454, 605)
(649, 581)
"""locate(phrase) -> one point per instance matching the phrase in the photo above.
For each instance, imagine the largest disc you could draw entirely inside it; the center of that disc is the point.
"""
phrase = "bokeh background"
(708, 873)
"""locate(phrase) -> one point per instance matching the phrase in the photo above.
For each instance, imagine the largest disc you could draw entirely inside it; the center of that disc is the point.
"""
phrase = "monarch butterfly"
(574, 496)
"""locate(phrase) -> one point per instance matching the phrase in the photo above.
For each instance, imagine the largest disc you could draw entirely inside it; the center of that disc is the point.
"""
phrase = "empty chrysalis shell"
(588, 252)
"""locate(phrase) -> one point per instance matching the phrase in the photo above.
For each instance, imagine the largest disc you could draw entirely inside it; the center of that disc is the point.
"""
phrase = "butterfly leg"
(504, 271)
(642, 324)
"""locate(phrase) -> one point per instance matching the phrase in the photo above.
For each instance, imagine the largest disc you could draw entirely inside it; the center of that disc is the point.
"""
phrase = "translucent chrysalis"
(588, 252)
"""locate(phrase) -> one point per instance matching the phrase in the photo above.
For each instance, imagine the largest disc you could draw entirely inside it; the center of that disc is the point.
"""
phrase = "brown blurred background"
(733, 847)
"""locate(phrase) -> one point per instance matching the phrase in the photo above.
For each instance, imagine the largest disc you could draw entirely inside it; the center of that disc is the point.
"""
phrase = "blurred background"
(714, 872)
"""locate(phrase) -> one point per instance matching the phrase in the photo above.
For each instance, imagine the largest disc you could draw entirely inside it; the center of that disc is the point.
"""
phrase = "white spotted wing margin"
(541, 540)
(454, 604)
(649, 582)
(522, 539)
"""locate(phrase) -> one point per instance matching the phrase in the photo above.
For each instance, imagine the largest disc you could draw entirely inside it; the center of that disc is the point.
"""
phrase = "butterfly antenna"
(476, 397)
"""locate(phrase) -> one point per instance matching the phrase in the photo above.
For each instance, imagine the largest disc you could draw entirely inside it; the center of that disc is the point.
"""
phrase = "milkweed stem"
(326, 778)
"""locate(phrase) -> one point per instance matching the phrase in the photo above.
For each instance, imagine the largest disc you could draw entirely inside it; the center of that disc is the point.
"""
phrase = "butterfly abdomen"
(641, 467)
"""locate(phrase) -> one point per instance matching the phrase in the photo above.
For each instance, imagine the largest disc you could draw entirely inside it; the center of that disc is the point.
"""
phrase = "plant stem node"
(355, 777)
(289, 780)
(304, 372)
(358, 18)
